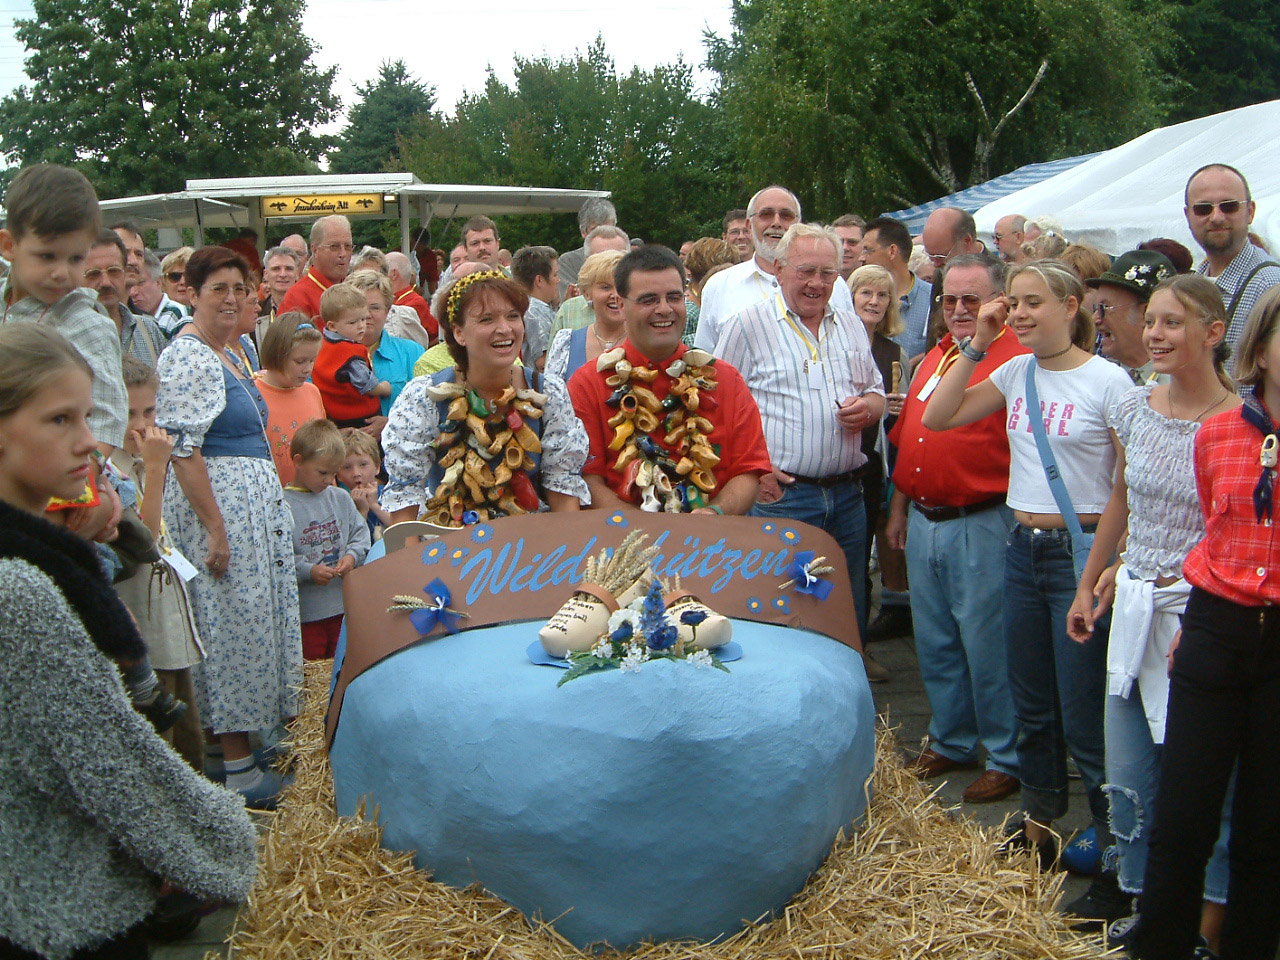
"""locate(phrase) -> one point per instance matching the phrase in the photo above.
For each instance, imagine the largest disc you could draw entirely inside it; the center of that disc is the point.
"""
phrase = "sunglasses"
(1228, 207)
(972, 302)
(174, 276)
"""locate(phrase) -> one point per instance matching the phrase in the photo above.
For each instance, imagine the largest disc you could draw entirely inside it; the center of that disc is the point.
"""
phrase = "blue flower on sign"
(782, 604)
(481, 533)
(616, 519)
(433, 553)
(691, 618)
(790, 536)
(770, 528)
(754, 604)
(458, 554)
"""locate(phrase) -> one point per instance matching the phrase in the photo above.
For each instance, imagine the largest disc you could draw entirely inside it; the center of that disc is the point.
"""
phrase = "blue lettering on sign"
(505, 572)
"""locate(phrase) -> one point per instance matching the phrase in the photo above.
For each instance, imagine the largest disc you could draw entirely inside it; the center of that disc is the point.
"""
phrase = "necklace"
(1051, 356)
(1216, 400)
(605, 345)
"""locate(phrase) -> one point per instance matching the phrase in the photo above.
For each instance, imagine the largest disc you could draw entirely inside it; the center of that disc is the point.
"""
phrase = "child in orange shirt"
(288, 354)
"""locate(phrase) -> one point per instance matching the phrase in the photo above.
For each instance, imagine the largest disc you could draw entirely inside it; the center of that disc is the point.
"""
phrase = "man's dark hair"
(51, 201)
(529, 263)
(1186, 191)
(650, 258)
(732, 216)
(111, 238)
(995, 267)
(127, 225)
(892, 232)
(478, 224)
(850, 220)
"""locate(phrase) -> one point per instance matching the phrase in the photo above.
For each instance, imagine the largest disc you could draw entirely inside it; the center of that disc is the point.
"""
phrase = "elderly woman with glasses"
(227, 515)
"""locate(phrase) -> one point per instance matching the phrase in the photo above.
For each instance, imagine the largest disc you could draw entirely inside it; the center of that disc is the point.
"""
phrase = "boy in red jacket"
(343, 373)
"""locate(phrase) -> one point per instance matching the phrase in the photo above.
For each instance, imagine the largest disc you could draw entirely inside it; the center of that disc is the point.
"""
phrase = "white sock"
(243, 774)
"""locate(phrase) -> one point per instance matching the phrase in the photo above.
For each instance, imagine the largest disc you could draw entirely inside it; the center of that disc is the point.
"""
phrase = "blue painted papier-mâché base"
(676, 802)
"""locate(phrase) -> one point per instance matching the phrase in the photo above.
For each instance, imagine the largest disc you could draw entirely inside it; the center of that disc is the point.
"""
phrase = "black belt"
(835, 480)
(939, 514)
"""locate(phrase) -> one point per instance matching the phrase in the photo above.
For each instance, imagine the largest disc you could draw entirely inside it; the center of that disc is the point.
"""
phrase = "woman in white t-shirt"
(1058, 686)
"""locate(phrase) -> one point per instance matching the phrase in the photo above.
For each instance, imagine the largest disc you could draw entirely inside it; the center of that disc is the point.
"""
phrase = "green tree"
(868, 107)
(385, 109)
(574, 122)
(142, 95)
(1227, 55)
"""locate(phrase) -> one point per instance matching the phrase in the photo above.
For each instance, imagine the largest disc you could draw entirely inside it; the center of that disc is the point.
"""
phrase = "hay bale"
(913, 882)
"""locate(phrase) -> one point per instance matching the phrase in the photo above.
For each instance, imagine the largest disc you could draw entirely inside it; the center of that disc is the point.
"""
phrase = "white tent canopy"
(240, 201)
(1134, 192)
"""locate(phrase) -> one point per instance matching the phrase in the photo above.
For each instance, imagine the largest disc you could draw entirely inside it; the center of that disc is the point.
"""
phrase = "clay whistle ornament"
(697, 624)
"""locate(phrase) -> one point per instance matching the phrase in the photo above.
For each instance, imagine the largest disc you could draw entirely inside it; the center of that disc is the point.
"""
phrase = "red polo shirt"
(409, 297)
(959, 467)
(736, 419)
(1239, 558)
(305, 296)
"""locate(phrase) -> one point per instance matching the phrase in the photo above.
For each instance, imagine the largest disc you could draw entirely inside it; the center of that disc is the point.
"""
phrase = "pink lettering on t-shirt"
(1068, 411)
(1015, 414)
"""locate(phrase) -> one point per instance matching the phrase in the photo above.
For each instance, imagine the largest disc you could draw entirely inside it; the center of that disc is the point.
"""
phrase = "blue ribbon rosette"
(804, 571)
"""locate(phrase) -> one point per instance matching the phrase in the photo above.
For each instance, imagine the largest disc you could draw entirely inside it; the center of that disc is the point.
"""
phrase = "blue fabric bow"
(424, 620)
(1253, 412)
(806, 582)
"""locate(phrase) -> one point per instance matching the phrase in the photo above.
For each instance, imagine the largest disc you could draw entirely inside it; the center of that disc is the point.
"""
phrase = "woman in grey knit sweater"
(95, 809)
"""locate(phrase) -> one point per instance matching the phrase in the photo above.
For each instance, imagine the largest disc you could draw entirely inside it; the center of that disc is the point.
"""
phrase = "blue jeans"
(1058, 685)
(956, 604)
(1133, 775)
(839, 511)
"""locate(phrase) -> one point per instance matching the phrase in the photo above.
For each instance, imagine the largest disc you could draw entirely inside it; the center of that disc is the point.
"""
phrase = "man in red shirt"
(651, 282)
(954, 535)
(330, 255)
(400, 273)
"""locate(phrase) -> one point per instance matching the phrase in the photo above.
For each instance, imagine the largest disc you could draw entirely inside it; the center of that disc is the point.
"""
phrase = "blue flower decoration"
(481, 533)
(806, 582)
(790, 536)
(770, 528)
(623, 633)
(754, 604)
(662, 638)
(783, 604)
(469, 517)
(425, 620)
(691, 618)
(616, 519)
(433, 553)
(458, 554)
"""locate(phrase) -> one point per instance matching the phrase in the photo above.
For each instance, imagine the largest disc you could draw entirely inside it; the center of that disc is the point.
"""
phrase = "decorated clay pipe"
(713, 632)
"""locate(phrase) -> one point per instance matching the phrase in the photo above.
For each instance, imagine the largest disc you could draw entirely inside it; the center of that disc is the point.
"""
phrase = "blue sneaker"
(266, 795)
(1082, 854)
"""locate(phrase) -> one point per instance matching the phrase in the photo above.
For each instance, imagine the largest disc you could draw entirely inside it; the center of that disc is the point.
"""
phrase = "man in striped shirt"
(808, 364)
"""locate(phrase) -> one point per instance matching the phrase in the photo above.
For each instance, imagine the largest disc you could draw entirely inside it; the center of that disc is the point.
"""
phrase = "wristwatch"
(977, 356)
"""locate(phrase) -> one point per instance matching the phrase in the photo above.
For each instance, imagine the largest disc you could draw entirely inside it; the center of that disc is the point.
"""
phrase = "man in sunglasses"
(953, 522)
(1219, 209)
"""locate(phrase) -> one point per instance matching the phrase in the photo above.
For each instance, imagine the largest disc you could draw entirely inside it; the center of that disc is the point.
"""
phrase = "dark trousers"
(1224, 707)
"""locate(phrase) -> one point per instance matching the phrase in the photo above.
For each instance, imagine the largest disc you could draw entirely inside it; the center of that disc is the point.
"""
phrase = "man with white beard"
(729, 292)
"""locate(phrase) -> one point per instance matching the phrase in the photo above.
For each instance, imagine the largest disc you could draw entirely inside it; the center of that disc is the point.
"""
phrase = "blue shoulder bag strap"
(1051, 472)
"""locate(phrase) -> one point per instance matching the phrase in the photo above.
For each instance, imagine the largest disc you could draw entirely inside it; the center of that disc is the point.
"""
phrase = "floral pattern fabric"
(252, 672)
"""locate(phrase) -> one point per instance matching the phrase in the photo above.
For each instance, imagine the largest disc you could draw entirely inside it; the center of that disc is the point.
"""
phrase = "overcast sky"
(450, 45)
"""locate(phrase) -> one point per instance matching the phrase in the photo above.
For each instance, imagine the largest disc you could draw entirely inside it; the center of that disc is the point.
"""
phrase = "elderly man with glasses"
(952, 523)
(1219, 209)
(331, 250)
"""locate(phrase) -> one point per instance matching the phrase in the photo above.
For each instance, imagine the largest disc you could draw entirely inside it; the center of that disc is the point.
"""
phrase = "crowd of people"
(1061, 458)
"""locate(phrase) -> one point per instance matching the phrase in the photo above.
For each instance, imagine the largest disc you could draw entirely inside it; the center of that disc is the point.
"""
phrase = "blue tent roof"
(974, 198)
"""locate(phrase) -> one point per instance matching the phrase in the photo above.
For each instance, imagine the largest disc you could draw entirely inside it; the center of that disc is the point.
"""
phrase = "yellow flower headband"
(455, 294)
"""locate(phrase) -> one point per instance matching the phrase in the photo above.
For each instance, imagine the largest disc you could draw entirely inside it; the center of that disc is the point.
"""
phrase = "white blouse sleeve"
(192, 393)
(564, 442)
(412, 424)
(557, 364)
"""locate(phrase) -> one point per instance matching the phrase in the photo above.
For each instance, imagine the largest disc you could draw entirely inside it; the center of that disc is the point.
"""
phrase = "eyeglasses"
(1228, 207)
(112, 273)
(785, 214)
(997, 237)
(971, 302)
(336, 247)
(650, 300)
(940, 258)
(174, 276)
(828, 274)
(1103, 310)
(220, 290)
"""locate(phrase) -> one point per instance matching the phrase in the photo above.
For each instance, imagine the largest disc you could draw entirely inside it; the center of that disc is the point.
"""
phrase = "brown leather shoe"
(991, 786)
(931, 764)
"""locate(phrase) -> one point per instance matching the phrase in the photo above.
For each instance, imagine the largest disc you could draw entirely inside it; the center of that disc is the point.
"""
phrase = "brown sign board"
(524, 568)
